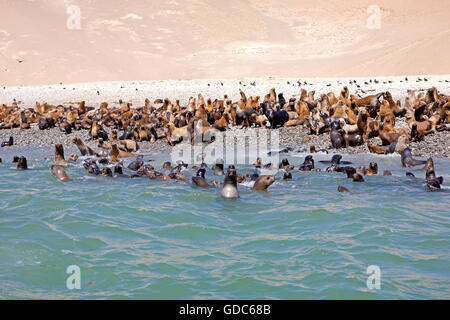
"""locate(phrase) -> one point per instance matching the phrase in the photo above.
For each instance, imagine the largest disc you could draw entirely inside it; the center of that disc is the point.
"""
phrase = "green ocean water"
(143, 239)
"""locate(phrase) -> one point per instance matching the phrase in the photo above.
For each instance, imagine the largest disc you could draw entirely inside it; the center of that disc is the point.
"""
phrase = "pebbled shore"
(135, 92)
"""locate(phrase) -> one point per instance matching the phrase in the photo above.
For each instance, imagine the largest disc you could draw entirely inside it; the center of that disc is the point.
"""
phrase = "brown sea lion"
(73, 157)
(358, 177)
(200, 180)
(373, 169)
(342, 189)
(59, 173)
(387, 173)
(59, 155)
(262, 183)
(84, 149)
(116, 154)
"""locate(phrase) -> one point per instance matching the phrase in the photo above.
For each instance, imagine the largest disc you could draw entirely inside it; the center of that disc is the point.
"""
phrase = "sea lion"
(287, 176)
(342, 189)
(118, 168)
(84, 149)
(22, 163)
(335, 162)
(135, 165)
(430, 175)
(308, 164)
(387, 173)
(73, 157)
(107, 172)
(262, 183)
(200, 180)
(410, 174)
(8, 143)
(408, 160)
(357, 177)
(229, 189)
(15, 159)
(91, 166)
(116, 154)
(350, 171)
(218, 167)
(361, 170)
(59, 173)
(59, 155)
(373, 169)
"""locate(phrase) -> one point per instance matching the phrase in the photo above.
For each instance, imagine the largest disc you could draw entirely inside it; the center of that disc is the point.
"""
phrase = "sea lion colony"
(350, 120)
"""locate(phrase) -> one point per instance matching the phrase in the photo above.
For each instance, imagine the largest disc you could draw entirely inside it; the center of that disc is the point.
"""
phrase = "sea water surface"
(143, 239)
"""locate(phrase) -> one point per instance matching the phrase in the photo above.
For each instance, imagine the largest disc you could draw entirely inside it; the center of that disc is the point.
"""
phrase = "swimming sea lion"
(408, 160)
(22, 163)
(373, 169)
(135, 165)
(262, 183)
(73, 157)
(410, 174)
(59, 173)
(358, 177)
(15, 159)
(91, 166)
(342, 189)
(308, 164)
(430, 175)
(118, 168)
(287, 176)
(387, 173)
(218, 167)
(200, 180)
(107, 172)
(59, 155)
(229, 189)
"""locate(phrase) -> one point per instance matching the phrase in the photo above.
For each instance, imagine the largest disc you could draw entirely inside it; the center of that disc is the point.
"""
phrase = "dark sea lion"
(15, 159)
(107, 172)
(284, 150)
(103, 161)
(262, 183)
(200, 180)
(59, 155)
(177, 176)
(430, 175)
(335, 162)
(22, 163)
(59, 173)
(229, 189)
(8, 143)
(373, 169)
(336, 158)
(387, 173)
(258, 163)
(284, 163)
(408, 160)
(350, 171)
(1, 160)
(135, 165)
(91, 166)
(358, 177)
(410, 174)
(342, 189)
(287, 176)
(118, 168)
(218, 167)
(308, 164)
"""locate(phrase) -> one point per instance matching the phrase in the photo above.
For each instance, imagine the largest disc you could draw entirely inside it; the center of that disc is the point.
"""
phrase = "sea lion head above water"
(373, 169)
(22, 163)
(59, 173)
(262, 183)
(229, 189)
(408, 160)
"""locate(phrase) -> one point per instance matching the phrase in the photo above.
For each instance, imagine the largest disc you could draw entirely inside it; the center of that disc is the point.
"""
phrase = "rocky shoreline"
(297, 138)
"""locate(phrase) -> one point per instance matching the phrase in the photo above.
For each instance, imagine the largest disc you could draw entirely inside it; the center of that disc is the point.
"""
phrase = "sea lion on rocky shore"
(116, 154)
(8, 143)
(408, 160)
(262, 183)
(22, 163)
(84, 149)
(229, 189)
(59, 173)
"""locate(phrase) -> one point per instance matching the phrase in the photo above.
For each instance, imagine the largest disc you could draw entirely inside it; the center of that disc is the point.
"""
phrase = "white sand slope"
(190, 39)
